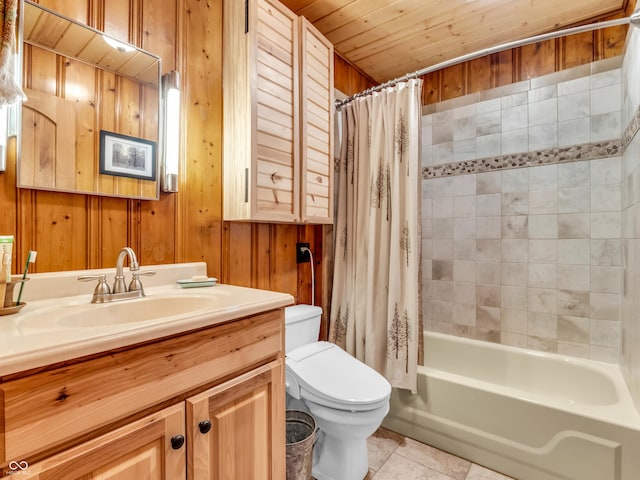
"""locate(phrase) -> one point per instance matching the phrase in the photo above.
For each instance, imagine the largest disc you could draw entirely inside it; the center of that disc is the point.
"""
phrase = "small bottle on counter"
(6, 252)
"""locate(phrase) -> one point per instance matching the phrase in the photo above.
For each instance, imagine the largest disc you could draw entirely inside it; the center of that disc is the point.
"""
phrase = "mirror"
(91, 120)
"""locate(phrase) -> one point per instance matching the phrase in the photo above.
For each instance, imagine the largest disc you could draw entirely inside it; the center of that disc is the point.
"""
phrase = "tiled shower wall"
(522, 227)
(630, 357)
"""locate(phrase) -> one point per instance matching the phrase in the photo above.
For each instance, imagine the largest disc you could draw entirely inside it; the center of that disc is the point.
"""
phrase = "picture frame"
(126, 156)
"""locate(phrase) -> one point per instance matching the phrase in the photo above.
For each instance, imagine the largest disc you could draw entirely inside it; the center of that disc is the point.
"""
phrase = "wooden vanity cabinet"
(277, 74)
(139, 450)
(208, 404)
(231, 427)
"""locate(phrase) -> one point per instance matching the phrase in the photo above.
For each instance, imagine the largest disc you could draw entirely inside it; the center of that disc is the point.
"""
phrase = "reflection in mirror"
(77, 85)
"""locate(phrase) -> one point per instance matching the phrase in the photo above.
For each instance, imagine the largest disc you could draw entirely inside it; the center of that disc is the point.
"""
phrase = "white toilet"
(347, 398)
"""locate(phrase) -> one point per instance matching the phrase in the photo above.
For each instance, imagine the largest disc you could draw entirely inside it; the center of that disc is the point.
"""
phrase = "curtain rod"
(633, 19)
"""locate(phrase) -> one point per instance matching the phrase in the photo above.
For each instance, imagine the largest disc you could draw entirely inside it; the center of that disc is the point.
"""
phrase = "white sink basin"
(122, 312)
(59, 322)
(140, 310)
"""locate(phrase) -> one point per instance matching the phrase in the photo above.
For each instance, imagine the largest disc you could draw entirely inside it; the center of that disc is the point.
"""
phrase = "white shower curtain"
(375, 306)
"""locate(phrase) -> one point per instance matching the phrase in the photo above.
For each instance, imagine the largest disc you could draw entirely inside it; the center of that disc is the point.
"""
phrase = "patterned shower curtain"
(375, 305)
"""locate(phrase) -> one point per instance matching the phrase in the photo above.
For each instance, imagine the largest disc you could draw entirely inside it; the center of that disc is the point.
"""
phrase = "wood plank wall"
(506, 67)
(526, 62)
(76, 231)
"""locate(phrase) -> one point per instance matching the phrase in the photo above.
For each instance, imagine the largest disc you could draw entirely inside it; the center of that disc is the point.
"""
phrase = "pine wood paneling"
(503, 64)
(431, 88)
(80, 91)
(537, 59)
(74, 10)
(453, 81)
(199, 227)
(283, 257)
(60, 228)
(576, 50)
(481, 78)
(187, 226)
(348, 78)
(8, 198)
(118, 20)
(523, 63)
(76, 231)
(238, 259)
(112, 224)
(388, 39)
(261, 258)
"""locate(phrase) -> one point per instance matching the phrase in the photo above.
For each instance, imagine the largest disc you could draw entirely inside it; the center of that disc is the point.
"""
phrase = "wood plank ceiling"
(389, 38)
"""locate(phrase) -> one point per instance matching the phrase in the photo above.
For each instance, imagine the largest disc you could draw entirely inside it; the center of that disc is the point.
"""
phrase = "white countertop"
(35, 336)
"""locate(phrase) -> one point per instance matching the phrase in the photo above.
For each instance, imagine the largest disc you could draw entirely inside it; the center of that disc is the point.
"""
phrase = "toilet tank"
(302, 325)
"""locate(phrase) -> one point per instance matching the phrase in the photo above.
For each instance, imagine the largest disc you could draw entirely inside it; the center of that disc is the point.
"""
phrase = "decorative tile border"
(585, 151)
(631, 130)
(574, 153)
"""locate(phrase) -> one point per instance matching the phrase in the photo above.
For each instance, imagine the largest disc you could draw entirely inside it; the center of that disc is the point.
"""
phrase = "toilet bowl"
(347, 398)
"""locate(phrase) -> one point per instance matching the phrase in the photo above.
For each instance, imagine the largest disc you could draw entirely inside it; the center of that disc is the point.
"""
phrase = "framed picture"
(126, 156)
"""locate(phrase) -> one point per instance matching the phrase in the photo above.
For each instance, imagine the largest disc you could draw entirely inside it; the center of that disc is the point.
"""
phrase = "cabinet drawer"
(58, 405)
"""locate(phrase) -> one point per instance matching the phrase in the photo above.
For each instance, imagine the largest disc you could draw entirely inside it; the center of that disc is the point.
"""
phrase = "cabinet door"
(277, 172)
(237, 429)
(148, 449)
(316, 124)
(261, 122)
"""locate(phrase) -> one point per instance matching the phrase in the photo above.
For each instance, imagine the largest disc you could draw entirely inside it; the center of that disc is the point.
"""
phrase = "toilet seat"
(329, 376)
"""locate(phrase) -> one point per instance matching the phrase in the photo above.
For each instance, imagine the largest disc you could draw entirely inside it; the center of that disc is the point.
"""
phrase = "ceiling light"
(120, 46)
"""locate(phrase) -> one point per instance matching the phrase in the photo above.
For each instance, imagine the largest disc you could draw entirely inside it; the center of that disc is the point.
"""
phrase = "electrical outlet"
(302, 256)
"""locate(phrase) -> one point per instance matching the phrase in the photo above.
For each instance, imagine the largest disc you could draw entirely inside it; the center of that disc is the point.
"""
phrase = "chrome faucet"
(118, 285)
(120, 291)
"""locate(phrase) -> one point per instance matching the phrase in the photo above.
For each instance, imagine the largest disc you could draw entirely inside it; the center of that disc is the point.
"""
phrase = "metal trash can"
(301, 433)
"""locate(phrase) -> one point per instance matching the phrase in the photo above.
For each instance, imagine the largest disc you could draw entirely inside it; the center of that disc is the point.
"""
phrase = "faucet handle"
(102, 288)
(136, 284)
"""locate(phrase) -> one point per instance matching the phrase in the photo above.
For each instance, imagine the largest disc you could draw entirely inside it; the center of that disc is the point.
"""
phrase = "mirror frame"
(112, 62)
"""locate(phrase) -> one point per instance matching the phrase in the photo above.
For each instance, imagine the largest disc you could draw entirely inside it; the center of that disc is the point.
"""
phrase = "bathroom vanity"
(196, 393)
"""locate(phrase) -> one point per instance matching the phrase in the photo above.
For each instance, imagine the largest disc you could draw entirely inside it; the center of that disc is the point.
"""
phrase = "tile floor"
(393, 456)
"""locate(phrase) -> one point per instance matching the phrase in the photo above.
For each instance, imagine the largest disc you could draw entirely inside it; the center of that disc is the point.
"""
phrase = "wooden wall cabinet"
(278, 102)
(316, 120)
(203, 405)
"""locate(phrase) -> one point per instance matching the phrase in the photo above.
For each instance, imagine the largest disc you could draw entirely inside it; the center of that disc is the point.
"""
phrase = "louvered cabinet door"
(260, 122)
(316, 121)
(277, 123)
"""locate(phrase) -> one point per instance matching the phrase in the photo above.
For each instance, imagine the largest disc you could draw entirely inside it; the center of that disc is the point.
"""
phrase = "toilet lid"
(330, 373)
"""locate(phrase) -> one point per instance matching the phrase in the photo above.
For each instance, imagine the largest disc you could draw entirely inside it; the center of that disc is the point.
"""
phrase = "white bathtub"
(530, 415)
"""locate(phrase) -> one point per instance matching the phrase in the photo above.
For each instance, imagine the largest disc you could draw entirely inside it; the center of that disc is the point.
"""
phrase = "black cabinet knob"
(177, 441)
(204, 426)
